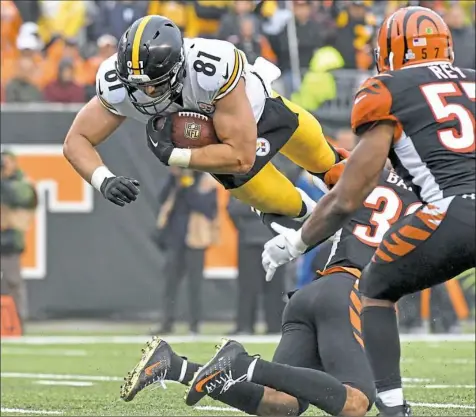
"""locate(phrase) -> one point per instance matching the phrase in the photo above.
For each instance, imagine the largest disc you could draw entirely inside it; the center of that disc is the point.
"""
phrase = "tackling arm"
(235, 126)
(359, 178)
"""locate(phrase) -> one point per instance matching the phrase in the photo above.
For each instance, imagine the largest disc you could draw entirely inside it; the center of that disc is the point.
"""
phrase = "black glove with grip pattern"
(120, 190)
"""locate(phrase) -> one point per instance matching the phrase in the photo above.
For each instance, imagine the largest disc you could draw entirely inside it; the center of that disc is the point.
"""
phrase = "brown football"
(192, 130)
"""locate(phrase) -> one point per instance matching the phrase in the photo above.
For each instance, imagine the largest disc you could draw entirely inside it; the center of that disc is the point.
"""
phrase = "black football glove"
(159, 137)
(120, 190)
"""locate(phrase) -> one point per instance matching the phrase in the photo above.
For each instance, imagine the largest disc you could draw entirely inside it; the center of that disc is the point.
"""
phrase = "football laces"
(192, 114)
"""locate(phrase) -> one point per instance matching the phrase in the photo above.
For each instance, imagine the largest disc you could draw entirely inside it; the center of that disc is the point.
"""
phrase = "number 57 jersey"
(433, 107)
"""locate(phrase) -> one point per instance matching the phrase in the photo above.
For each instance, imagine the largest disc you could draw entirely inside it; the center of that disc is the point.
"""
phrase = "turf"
(443, 373)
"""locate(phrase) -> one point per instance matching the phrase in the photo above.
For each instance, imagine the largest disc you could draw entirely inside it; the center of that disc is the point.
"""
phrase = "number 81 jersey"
(433, 108)
(213, 69)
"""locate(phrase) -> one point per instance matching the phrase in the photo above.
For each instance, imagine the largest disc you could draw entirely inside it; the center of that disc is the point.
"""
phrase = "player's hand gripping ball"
(183, 129)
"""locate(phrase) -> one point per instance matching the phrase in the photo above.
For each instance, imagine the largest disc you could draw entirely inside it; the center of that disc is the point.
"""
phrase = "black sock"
(320, 389)
(244, 396)
(382, 344)
(176, 370)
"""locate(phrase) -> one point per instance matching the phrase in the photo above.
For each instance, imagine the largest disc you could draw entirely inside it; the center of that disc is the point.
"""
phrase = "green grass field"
(64, 377)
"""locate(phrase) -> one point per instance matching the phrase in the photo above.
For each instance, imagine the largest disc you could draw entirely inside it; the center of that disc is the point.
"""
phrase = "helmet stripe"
(389, 34)
(136, 45)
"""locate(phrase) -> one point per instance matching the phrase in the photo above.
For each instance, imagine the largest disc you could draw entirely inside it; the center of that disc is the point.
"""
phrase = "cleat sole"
(133, 376)
(192, 382)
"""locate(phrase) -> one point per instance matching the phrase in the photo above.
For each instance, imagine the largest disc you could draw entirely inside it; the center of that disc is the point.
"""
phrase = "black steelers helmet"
(150, 54)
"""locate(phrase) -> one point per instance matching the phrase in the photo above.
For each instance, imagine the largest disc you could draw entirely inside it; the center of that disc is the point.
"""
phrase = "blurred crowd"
(51, 50)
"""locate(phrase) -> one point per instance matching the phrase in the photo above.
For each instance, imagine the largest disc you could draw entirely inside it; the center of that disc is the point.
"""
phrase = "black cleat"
(397, 411)
(217, 373)
(154, 367)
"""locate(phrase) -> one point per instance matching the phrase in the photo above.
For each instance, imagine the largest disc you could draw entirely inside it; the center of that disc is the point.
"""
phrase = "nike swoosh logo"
(149, 371)
(153, 143)
(99, 88)
(200, 385)
(360, 98)
(280, 247)
(226, 73)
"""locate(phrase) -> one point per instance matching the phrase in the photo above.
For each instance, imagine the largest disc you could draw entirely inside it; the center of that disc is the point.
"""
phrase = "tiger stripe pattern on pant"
(401, 242)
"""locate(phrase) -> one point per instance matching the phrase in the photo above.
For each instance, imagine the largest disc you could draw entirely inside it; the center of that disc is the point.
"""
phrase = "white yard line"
(427, 405)
(87, 340)
(417, 380)
(434, 405)
(27, 411)
(226, 409)
(452, 361)
(214, 408)
(41, 352)
(65, 383)
(100, 378)
(441, 386)
(60, 377)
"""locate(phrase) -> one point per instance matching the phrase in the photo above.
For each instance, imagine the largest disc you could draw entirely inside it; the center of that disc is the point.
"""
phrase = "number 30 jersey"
(213, 69)
(354, 245)
(433, 106)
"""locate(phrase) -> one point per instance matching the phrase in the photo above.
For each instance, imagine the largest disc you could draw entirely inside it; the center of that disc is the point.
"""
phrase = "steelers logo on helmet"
(262, 147)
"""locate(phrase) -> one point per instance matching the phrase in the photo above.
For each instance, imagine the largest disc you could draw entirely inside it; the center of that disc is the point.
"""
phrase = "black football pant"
(321, 330)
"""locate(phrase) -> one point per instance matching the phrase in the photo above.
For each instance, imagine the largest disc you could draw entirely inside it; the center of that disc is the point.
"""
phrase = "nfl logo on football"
(192, 130)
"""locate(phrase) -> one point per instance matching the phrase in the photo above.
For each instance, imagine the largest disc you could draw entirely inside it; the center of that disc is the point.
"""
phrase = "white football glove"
(281, 249)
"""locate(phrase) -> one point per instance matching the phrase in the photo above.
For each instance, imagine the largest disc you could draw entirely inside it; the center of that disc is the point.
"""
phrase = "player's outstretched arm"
(93, 125)
(359, 178)
(235, 126)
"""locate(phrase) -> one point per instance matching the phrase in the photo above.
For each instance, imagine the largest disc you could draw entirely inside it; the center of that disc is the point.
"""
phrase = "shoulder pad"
(109, 89)
(372, 103)
(218, 66)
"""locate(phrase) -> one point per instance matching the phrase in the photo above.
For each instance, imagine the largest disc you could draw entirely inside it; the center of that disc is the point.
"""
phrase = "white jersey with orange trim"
(213, 69)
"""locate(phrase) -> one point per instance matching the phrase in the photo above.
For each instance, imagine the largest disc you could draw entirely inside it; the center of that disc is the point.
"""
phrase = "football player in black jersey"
(320, 359)
(419, 110)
